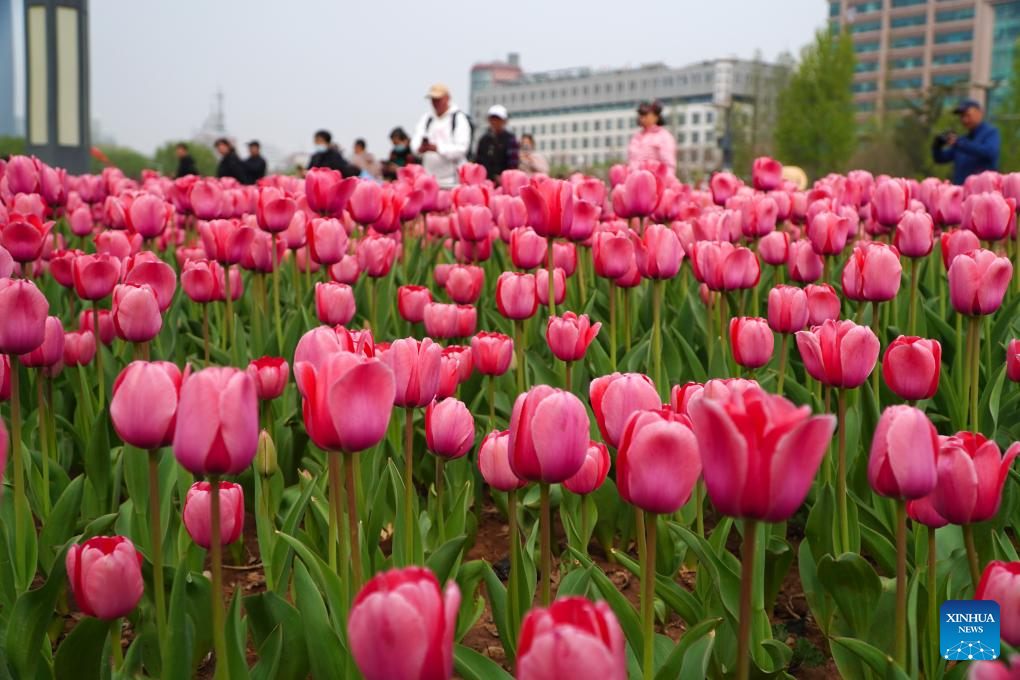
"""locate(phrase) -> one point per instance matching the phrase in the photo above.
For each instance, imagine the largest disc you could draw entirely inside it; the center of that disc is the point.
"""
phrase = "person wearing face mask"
(327, 155)
(531, 161)
(652, 142)
(400, 154)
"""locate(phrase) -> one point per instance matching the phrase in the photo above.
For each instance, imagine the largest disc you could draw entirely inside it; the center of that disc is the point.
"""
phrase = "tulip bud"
(334, 303)
(449, 428)
(270, 375)
(265, 457)
(197, 513)
(411, 301)
(751, 341)
(1013, 360)
(788, 309)
(911, 367)
(106, 576)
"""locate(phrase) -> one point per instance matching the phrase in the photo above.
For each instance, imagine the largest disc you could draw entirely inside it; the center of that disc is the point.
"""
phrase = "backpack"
(453, 128)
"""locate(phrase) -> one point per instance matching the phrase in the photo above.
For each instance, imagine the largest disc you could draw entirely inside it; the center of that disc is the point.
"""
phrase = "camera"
(943, 138)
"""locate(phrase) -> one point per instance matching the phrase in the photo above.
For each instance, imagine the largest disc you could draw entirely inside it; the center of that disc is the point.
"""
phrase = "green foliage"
(816, 128)
(1007, 117)
(130, 162)
(752, 125)
(12, 146)
(165, 158)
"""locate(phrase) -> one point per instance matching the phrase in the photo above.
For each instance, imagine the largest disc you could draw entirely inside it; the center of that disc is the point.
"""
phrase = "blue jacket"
(976, 152)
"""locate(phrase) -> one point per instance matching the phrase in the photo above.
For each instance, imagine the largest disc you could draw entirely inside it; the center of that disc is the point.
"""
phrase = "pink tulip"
(494, 462)
(347, 270)
(872, 272)
(270, 376)
(774, 248)
(366, 202)
(565, 257)
(24, 236)
(550, 204)
(839, 353)
(1001, 582)
(956, 242)
(559, 286)
(95, 275)
(659, 253)
(51, 351)
(658, 462)
(722, 266)
(760, 217)
(206, 199)
(106, 576)
(572, 638)
(890, 200)
(118, 244)
(492, 353)
(904, 453)
(197, 513)
(106, 332)
(516, 295)
(449, 428)
(80, 221)
(348, 400)
(148, 215)
(411, 301)
(202, 280)
(759, 452)
(217, 427)
(788, 309)
(569, 335)
(804, 264)
(828, 233)
(401, 626)
(464, 283)
(723, 185)
(415, 366)
(914, 236)
(527, 249)
(615, 397)
(751, 341)
(23, 309)
(971, 475)
(1013, 360)
(593, 471)
(327, 240)
(22, 174)
(949, 205)
(327, 192)
(441, 320)
(977, 281)
(990, 216)
(146, 268)
(548, 435)
(136, 316)
(911, 367)
(334, 303)
(822, 303)
(274, 209)
(767, 173)
(226, 240)
(376, 255)
(613, 253)
(79, 348)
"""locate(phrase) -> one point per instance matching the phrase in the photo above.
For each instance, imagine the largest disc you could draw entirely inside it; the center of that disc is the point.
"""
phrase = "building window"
(681, 118)
(695, 118)
(584, 126)
(866, 26)
(681, 137)
(909, 41)
(953, 37)
(905, 84)
(709, 136)
(598, 89)
(955, 14)
(609, 141)
(573, 143)
(595, 142)
(865, 86)
(863, 47)
(619, 140)
(910, 62)
(573, 127)
(915, 20)
(710, 117)
(541, 129)
(949, 78)
(863, 7)
(865, 106)
(865, 66)
(908, 3)
(596, 125)
(834, 8)
(584, 145)
(695, 137)
(951, 58)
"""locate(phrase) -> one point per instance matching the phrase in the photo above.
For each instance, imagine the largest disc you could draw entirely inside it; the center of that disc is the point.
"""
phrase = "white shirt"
(451, 144)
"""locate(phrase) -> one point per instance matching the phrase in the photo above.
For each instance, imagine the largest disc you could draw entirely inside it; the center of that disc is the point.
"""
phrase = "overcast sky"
(361, 67)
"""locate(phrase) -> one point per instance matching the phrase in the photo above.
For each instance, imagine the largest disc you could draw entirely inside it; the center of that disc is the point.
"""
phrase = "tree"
(1007, 117)
(816, 128)
(130, 162)
(166, 158)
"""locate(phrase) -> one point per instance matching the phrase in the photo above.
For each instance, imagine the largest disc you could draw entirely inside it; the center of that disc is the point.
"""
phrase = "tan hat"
(437, 91)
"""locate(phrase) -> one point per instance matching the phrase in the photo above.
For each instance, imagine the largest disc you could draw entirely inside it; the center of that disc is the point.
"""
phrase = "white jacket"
(452, 144)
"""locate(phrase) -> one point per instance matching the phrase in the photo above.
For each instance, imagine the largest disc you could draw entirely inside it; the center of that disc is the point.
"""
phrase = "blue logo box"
(969, 630)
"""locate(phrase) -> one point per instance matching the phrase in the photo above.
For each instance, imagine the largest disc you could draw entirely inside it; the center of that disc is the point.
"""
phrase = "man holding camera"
(972, 153)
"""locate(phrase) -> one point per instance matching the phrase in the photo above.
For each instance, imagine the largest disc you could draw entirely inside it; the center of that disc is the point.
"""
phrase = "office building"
(583, 117)
(907, 47)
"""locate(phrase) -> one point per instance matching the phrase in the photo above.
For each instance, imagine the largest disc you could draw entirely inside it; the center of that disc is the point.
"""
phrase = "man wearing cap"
(973, 153)
(254, 164)
(443, 138)
(497, 149)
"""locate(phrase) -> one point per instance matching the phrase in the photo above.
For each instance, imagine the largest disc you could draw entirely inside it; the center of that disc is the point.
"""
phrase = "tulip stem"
(844, 521)
(567, 382)
(912, 324)
(156, 538)
(519, 349)
(876, 327)
(784, 350)
(44, 449)
(933, 612)
(972, 555)
(975, 372)
(648, 597)
(657, 331)
(440, 514)
(709, 335)
(550, 265)
(216, 552)
(491, 388)
(546, 530)
(511, 511)
(20, 502)
(901, 583)
(699, 509)
(352, 519)
(612, 325)
(116, 651)
(229, 320)
(409, 485)
(585, 520)
(626, 319)
(746, 581)
(205, 331)
(276, 294)
(100, 376)
(334, 523)
(373, 319)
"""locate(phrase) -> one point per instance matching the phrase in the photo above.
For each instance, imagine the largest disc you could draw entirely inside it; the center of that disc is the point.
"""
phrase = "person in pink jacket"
(652, 142)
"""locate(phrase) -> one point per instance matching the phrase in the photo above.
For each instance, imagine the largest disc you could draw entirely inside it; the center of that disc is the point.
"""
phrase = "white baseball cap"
(499, 111)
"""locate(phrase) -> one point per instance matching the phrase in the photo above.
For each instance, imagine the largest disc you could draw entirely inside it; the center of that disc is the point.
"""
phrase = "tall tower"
(8, 126)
